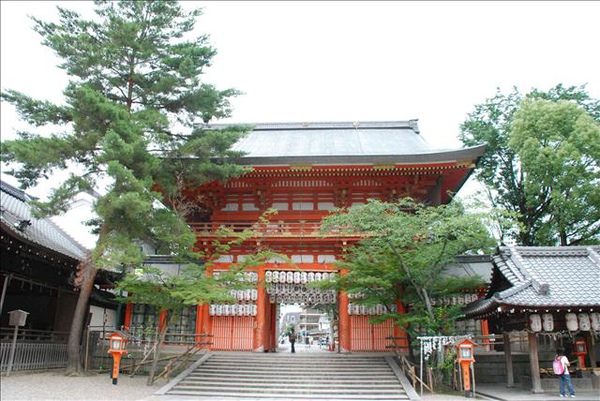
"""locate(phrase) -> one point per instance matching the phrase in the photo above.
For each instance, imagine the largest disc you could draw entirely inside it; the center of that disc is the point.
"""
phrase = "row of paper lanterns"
(233, 310)
(356, 309)
(574, 321)
(244, 295)
(275, 276)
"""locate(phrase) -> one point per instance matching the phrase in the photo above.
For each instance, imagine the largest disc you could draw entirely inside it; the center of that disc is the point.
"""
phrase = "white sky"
(354, 61)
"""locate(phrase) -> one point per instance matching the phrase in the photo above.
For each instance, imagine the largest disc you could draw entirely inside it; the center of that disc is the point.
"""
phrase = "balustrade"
(270, 229)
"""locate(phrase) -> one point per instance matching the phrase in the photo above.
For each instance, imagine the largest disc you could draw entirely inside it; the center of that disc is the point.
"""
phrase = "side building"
(39, 261)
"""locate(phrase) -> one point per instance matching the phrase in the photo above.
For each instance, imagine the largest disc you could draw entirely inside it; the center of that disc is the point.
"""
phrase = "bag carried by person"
(558, 366)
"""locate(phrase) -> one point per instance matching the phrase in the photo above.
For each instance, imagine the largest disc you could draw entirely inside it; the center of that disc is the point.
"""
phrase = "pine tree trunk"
(160, 339)
(74, 367)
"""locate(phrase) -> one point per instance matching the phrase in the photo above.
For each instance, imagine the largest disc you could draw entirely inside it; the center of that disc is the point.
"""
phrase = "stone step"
(298, 387)
(244, 394)
(275, 376)
(291, 379)
(290, 372)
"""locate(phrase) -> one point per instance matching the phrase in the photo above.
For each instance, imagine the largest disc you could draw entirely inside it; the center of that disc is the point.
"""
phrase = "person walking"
(561, 368)
(292, 338)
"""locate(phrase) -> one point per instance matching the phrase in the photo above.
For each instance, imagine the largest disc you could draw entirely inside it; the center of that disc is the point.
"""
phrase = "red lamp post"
(465, 358)
(117, 347)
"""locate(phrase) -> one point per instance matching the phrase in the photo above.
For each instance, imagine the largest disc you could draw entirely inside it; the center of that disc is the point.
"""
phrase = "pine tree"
(129, 128)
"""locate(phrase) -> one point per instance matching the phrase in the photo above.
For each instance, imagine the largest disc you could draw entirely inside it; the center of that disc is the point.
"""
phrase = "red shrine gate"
(303, 171)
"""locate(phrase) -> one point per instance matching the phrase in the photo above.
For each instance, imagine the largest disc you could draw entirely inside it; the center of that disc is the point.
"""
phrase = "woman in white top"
(565, 377)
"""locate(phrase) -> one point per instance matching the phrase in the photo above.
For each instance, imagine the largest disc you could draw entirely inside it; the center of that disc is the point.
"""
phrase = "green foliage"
(509, 182)
(558, 144)
(171, 291)
(406, 251)
(129, 126)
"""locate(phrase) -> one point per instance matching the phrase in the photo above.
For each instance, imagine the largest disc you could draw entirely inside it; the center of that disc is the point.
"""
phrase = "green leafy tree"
(558, 145)
(169, 293)
(500, 168)
(128, 129)
(404, 256)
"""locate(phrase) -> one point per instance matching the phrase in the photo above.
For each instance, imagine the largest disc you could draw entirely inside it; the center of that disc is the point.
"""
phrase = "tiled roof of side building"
(339, 142)
(16, 217)
(543, 276)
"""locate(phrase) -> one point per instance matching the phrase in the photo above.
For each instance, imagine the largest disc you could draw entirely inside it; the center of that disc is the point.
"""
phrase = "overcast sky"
(354, 61)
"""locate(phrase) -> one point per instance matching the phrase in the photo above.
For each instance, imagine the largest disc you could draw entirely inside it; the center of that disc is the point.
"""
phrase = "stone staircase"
(292, 376)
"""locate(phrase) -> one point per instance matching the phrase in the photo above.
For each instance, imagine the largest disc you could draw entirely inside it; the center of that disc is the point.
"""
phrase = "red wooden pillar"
(344, 323)
(274, 329)
(128, 314)
(260, 323)
(203, 320)
(399, 332)
(485, 330)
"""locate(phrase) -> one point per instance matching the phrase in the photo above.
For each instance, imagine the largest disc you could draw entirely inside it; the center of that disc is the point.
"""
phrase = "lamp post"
(465, 358)
(117, 348)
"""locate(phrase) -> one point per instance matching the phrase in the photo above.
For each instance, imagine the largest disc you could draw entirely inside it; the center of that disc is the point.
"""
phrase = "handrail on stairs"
(408, 368)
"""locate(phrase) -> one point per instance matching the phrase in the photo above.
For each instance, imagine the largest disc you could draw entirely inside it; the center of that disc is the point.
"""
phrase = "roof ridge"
(266, 126)
(594, 255)
(513, 290)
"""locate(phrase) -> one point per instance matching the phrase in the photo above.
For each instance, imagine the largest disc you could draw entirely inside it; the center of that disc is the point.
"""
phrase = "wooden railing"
(271, 229)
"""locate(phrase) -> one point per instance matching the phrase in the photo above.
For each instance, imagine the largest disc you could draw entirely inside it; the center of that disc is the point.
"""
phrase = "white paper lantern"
(297, 277)
(268, 276)
(290, 277)
(584, 322)
(547, 322)
(535, 322)
(275, 276)
(304, 277)
(311, 277)
(571, 320)
(595, 320)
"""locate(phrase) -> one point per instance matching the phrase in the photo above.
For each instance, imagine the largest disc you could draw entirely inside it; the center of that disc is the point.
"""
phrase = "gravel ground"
(54, 385)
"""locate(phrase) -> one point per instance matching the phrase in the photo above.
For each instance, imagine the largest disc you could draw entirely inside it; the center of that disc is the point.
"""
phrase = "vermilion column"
(259, 327)
(202, 318)
(399, 332)
(128, 314)
(485, 330)
(344, 323)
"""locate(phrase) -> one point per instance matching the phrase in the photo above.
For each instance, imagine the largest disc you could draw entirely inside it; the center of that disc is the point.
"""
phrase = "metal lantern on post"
(117, 348)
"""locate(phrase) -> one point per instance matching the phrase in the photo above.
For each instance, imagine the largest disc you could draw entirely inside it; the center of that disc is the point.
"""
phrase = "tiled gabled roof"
(327, 143)
(44, 232)
(543, 277)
